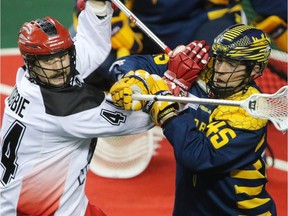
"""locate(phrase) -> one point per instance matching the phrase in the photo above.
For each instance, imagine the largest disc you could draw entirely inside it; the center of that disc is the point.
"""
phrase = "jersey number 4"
(114, 118)
(11, 142)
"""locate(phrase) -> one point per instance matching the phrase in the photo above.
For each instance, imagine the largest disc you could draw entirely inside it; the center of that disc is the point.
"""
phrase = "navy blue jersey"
(180, 22)
(219, 167)
(267, 8)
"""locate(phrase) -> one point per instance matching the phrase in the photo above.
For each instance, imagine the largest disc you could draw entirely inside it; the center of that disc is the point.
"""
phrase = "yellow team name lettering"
(161, 59)
(200, 125)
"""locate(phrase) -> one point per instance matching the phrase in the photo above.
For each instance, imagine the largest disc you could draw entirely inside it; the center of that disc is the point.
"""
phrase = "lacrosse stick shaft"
(142, 26)
(273, 107)
(185, 100)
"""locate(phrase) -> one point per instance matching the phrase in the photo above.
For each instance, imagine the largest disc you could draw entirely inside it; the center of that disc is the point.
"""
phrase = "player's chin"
(219, 84)
(58, 82)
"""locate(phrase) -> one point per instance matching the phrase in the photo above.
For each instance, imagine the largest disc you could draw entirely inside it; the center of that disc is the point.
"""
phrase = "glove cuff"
(166, 116)
(99, 8)
(168, 119)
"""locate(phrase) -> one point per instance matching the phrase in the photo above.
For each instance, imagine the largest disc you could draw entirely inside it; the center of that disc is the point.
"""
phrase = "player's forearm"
(93, 39)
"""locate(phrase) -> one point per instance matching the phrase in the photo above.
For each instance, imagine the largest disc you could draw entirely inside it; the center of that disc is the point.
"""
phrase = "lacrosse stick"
(267, 106)
(273, 107)
(142, 26)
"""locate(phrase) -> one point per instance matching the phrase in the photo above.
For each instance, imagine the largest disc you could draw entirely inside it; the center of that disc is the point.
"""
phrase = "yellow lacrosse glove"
(123, 37)
(138, 82)
(160, 111)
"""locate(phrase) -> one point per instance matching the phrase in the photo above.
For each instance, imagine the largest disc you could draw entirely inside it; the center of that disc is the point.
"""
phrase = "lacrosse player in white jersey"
(52, 117)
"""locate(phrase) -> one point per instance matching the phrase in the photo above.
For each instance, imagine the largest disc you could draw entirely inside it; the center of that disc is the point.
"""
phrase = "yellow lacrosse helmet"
(244, 43)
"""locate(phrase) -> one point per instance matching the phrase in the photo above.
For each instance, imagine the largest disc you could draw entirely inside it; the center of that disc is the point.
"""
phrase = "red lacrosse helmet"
(43, 37)
(47, 38)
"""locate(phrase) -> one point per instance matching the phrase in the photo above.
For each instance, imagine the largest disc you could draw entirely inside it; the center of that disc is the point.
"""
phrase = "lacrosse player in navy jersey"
(52, 118)
(176, 24)
(219, 167)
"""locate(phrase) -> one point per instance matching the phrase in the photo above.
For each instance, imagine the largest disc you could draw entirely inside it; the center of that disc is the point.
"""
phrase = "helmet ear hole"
(257, 69)
(256, 72)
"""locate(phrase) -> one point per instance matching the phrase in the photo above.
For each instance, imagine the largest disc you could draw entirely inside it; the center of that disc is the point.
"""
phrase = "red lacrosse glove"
(80, 5)
(184, 66)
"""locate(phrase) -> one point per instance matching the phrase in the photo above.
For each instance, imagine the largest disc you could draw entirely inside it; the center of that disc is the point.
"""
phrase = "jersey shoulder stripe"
(238, 117)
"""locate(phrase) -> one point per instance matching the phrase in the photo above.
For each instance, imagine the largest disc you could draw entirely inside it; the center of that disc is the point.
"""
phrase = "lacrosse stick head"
(124, 157)
(273, 107)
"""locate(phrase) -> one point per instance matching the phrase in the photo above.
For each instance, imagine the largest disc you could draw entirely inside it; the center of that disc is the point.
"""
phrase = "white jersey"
(47, 136)
(92, 41)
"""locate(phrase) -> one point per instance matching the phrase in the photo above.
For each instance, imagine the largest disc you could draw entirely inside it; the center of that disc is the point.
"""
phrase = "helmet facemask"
(43, 71)
(238, 78)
